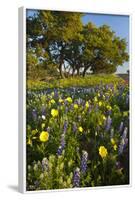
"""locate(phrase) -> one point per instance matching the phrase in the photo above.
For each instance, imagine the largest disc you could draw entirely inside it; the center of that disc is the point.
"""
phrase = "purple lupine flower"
(66, 103)
(84, 160)
(109, 112)
(65, 127)
(71, 107)
(56, 94)
(108, 123)
(74, 127)
(44, 164)
(124, 141)
(66, 109)
(124, 135)
(34, 114)
(121, 147)
(75, 101)
(107, 98)
(62, 141)
(121, 127)
(107, 87)
(62, 145)
(79, 101)
(76, 178)
(59, 151)
(48, 129)
(83, 103)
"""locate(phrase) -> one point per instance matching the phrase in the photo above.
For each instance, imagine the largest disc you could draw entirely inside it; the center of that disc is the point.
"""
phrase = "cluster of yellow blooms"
(54, 112)
(69, 99)
(109, 107)
(75, 106)
(44, 136)
(87, 104)
(61, 101)
(103, 151)
(80, 129)
(52, 101)
(114, 144)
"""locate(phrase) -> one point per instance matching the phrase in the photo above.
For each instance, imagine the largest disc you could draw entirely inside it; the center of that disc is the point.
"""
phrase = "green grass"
(88, 81)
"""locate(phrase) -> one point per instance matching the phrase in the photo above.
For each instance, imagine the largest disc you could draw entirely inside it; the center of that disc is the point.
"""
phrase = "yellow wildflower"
(100, 122)
(103, 151)
(112, 141)
(29, 141)
(60, 100)
(104, 118)
(100, 103)
(107, 93)
(43, 125)
(69, 99)
(80, 129)
(95, 99)
(52, 101)
(109, 107)
(115, 147)
(110, 89)
(54, 112)
(52, 93)
(69, 181)
(34, 131)
(44, 136)
(87, 104)
(96, 133)
(75, 106)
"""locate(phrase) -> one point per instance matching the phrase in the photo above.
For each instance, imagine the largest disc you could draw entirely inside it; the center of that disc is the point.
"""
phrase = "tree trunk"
(60, 69)
(73, 72)
(84, 71)
(78, 72)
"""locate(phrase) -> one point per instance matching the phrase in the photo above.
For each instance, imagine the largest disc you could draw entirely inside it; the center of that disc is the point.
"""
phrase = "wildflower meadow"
(78, 137)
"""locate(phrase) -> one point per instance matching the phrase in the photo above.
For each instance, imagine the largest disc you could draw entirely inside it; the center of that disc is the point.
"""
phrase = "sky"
(118, 23)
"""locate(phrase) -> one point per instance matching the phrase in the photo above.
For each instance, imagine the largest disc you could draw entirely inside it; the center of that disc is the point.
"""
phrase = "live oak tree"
(56, 40)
